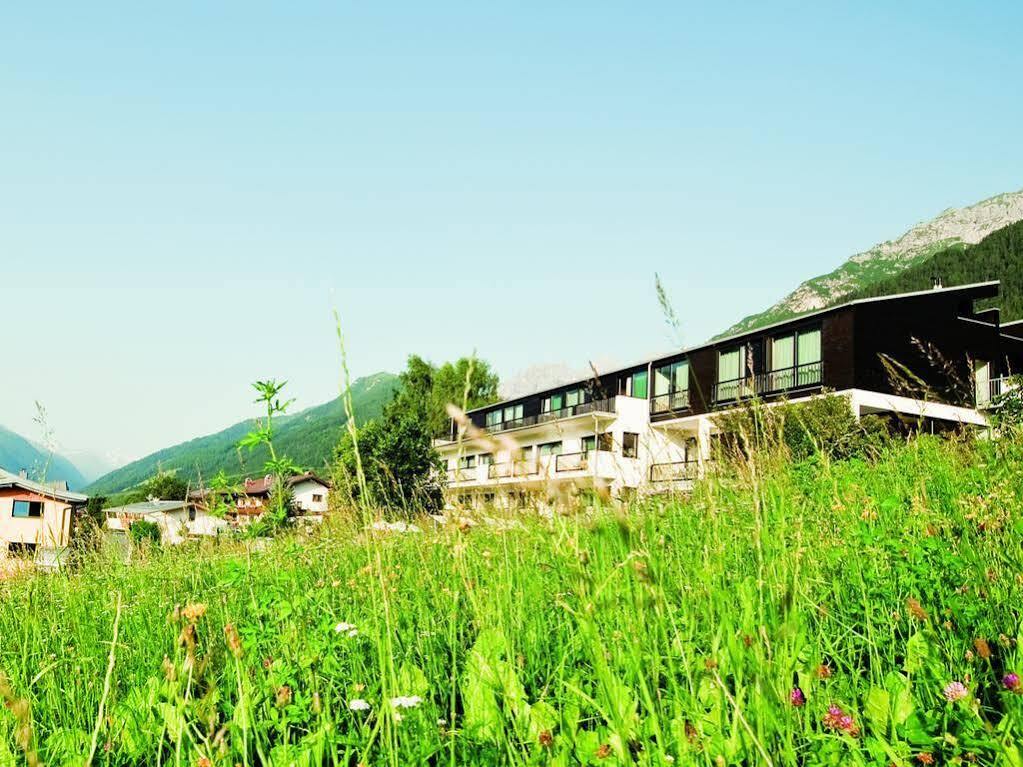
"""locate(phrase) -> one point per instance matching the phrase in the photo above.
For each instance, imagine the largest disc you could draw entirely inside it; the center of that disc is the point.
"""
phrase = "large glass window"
(783, 352)
(467, 462)
(809, 347)
(573, 398)
(493, 418)
(512, 413)
(730, 364)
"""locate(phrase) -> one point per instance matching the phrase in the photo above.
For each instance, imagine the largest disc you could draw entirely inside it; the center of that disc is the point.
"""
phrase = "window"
(636, 385)
(605, 442)
(317, 498)
(574, 397)
(795, 359)
(730, 365)
(26, 509)
(808, 347)
(486, 459)
(672, 378)
(527, 452)
(553, 403)
(783, 352)
(550, 448)
(513, 413)
(589, 443)
(630, 445)
(467, 462)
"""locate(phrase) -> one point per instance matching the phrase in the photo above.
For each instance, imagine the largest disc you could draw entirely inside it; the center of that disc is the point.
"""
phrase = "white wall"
(304, 493)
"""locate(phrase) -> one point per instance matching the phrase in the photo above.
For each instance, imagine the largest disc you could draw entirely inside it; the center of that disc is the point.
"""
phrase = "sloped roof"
(147, 507)
(8, 480)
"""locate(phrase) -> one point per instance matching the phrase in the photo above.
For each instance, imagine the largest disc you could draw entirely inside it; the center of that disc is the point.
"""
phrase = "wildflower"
(982, 647)
(193, 612)
(283, 696)
(204, 761)
(1011, 682)
(925, 758)
(358, 704)
(346, 628)
(604, 751)
(796, 697)
(824, 671)
(955, 691)
(234, 641)
(838, 720)
(406, 701)
(546, 739)
(916, 610)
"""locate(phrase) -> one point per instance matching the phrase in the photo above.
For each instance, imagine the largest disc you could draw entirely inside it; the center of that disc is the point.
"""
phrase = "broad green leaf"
(876, 710)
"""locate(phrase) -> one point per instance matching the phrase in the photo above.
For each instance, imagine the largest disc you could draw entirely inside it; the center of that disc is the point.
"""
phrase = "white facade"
(310, 496)
(177, 520)
(640, 455)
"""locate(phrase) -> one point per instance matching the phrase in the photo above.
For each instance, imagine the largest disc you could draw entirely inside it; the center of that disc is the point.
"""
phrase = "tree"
(400, 465)
(165, 486)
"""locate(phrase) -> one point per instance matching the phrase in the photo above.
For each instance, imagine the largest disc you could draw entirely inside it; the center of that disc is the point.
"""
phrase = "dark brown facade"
(921, 345)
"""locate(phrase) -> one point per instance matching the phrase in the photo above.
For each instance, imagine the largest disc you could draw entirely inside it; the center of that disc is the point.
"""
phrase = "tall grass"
(672, 631)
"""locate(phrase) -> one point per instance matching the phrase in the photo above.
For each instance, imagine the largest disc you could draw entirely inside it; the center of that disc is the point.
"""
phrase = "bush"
(144, 530)
(822, 425)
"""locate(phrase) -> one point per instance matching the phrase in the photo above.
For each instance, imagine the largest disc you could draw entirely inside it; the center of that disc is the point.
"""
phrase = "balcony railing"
(773, 382)
(594, 406)
(461, 475)
(572, 462)
(512, 469)
(674, 402)
(676, 471)
(990, 393)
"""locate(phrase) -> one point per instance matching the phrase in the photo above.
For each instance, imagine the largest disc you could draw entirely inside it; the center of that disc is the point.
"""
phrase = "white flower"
(406, 701)
(346, 628)
(358, 704)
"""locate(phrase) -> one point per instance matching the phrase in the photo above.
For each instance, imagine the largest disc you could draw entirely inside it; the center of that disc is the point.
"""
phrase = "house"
(929, 357)
(36, 517)
(177, 520)
(309, 494)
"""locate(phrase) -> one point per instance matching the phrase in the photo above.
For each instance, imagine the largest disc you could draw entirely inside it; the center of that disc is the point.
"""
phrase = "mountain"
(953, 229)
(307, 437)
(999, 256)
(17, 453)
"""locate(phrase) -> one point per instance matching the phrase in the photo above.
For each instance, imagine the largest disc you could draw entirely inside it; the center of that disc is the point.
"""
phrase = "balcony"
(675, 402)
(600, 406)
(676, 471)
(572, 462)
(771, 383)
(507, 469)
(991, 393)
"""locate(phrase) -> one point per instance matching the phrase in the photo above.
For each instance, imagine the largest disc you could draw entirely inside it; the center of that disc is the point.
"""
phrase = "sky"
(188, 192)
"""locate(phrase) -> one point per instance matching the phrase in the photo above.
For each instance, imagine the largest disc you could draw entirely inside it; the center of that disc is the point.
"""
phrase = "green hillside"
(308, 437)
(999, 256)
(17, 453)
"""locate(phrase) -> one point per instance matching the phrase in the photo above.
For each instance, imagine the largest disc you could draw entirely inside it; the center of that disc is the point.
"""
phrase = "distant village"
(37, 519)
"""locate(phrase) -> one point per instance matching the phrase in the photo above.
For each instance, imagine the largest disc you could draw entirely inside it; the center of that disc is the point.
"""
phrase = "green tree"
(165, 486)
(399, 462)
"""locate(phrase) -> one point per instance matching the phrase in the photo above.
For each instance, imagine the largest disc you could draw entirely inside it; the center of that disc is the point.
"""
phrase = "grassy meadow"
(844, 613)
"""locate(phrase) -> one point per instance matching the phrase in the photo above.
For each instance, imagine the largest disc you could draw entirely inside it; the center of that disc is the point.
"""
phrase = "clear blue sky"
(185, 192)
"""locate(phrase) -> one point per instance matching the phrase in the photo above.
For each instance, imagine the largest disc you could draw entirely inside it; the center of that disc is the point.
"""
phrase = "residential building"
(309, 494)
(930, 357)
(178, 520)
(36, 517)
